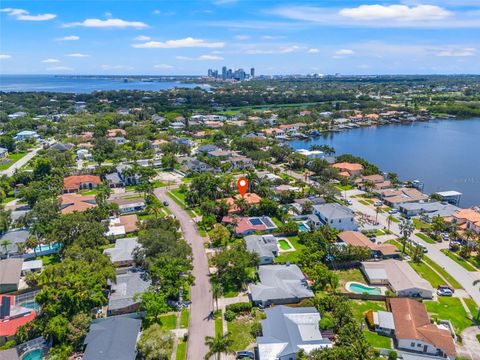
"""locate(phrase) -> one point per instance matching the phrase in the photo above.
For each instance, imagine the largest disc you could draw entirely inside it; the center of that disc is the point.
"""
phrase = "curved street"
(200, 293)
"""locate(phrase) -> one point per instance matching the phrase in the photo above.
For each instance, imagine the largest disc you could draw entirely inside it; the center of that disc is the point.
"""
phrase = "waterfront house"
(311, 154)
(429, 210)
(76, 183)
(10, 273)
(335, 215)
(287, 330)
(279, 284)
(352, 169)
(396, 197)
(355, 238)
(468, 219)
(123, 292)
(415, 332)
(266, 246)
(398, 276)
(76, 202)
(113, 338)
(452, 197)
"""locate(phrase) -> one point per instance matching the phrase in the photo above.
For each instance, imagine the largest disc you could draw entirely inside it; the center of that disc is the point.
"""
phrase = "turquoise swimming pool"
(361, 289)
(33, 355)
(40, 248)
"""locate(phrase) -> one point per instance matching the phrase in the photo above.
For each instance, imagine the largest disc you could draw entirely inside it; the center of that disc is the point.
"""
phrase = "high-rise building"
(224, 73)
(252, 72)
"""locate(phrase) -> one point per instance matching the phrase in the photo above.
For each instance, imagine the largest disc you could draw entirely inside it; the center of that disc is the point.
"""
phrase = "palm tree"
(406, 229)
(218, 345)
(390, 218)
(377, 211)
(217, 291)
(5, 244)
(32, 243)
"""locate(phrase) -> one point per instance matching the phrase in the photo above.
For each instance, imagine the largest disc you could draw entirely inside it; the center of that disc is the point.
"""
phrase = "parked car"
(445, 287)
(245, 355)
(444, 292)
(165, 203)
(455, 243)
(445, 236)
(424, 248)
(349, 202)
(378, 203)
(393, 211)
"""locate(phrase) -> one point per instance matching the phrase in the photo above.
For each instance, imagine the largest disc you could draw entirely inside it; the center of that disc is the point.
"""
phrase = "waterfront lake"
(78, 85)
(443, 154)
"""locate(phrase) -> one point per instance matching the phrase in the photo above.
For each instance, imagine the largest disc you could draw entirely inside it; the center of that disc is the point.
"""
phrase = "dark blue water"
(81, 85)
(443, 154)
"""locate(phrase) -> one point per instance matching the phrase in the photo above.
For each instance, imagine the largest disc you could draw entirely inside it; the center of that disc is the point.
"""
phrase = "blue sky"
(276, 37)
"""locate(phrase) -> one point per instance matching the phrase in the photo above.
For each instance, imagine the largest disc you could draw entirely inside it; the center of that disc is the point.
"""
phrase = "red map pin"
(242, 185)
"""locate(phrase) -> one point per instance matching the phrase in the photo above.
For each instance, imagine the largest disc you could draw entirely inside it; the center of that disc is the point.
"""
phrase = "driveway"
(463, 276)
(200, 293)
(471, 347)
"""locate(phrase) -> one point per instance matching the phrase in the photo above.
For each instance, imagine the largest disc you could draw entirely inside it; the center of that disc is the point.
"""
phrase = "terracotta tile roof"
(111, 133)
(346, 166)
(74, 182)
(356, 238)
(469, 215)
(250, 198)
(129, 222)
(10, 325)
(76, 202)
(412, 322)
(243, 224)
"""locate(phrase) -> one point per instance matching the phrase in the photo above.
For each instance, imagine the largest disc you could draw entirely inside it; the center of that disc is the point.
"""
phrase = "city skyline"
(283, 37)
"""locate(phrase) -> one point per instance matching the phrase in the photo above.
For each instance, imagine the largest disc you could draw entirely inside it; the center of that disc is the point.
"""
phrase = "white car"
(378, 203)
(393, 211)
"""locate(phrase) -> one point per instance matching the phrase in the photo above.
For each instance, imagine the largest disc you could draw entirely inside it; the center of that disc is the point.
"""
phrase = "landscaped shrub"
(229, 315)
(237, 308)
(392, 355)
(256, 329)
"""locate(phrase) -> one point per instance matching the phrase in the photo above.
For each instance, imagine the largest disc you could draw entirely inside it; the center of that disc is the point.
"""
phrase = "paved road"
(200, 293)
(464, 277)
(17, 165)
(471, 346)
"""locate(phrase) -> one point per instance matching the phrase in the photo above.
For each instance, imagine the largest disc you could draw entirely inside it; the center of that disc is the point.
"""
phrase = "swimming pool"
(361, 289)
(40, 248)
(33, 355)
(303, 227)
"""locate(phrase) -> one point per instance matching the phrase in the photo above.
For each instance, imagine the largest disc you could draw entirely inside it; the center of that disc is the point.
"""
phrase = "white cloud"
(396, 12)
(50, 61)
(163, 66)
(21, 14)
(78, 55)
(69, 38)
(157, 12)
(313, 51)
(108, 23)
(242, 37)
(5, 56)
(116, 67)
(271, 37)
(201, 58)
(458, 53)
(343, 53)
(60, 68)
(108, 14)
(188, 42)
(261, 50)
(142, 38)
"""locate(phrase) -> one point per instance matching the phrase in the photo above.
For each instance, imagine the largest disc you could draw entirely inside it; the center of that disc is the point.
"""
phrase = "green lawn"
(181, 351)
(169, 322)
(377, 341)
(184, 317)
(350, 275)
(449, 308)
(364, 202)
(465, 264)
(219, 324)
(344, 187)
(360, 307)
(284, 245)
(426, 238)
(240, 330)
(443, 272)
(419, 224)
(427, 273)
(291, 256)
(472, 306)
(277, 222)
(12, 159)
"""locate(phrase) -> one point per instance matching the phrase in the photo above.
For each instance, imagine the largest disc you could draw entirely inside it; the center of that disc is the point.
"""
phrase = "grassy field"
(360, 307)
(218, 324)
(184, 317)
(419, 224)
(427, 273)
(426, 238)
(12, 159)
(377, 341)
(181, 350)
(169, 322)
(472, 306)
(240, 330)
(462, 262)
(442, 272)
(291, 256)
(449, 308)
(344, 187)
(350, 275)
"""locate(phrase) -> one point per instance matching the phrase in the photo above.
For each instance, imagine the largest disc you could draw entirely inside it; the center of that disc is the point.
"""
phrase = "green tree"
(156, 343)
(218, 345)
(154, 304)
(219, 235)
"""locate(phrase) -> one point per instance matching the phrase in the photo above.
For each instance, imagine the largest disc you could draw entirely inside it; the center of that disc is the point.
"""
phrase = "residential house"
(219, 154)
(61, 147)
(26, 134)
(119, 140)
(10, 273)
(122, 225)
(287, 330)
(311, 154)
(123, 291)
(452, 197)
(70, 203)
(415, 332)
(398, 276)
(112, 133)
(266, 246)
(14, 238)
(122, 254)
(335, 215)
(468, 219)
(355, 238)
(203, 149)
(279, 284)
(240, 162)
(126, 175)
(274, 132)
(382, 322)
(429, 209)
(396, 197)
(76, 183)
(251, 199)
(249, 225)
(12, 316)
(3, 153)
(113, 338)
(84, 154)
(349, 169)
(190, 166)
(127, 205)
(157, 144)
(377, 180)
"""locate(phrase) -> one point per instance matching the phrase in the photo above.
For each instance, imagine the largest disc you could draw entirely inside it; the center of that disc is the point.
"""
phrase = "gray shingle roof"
(112, 338)
(280, 282)
(15, 237)
(123, 250)
(265, 246)
(287, 330)
(333, 211)
(123, 292)
(10, 270)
